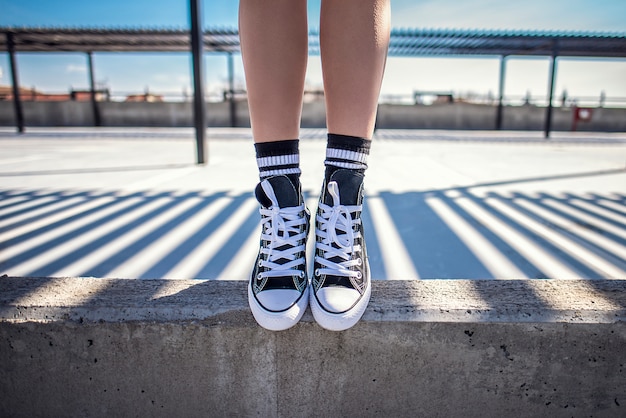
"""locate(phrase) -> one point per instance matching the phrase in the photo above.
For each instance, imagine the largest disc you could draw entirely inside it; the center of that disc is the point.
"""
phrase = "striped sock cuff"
(278, 164)
(278, 158)
(344, 151)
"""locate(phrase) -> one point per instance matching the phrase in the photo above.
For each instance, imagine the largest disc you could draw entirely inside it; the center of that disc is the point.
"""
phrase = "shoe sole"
(278, 321)
(344, 320)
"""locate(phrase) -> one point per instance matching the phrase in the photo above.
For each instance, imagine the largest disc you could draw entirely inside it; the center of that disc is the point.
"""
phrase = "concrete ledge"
(101, 347)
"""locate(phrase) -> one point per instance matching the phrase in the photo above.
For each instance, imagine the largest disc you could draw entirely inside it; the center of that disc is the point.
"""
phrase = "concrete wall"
(439, 116)
(480, 117)
(97, 347)
(168, 114)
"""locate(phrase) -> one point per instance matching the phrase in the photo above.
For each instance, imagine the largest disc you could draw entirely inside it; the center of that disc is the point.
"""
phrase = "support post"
(17, 101)
(548, 120)
(97, 121)
(231, 91)
(199, 106)
(501, 92)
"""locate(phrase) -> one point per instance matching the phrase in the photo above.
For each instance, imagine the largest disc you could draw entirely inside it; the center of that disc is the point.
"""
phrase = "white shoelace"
(336, 227)
(281, 227)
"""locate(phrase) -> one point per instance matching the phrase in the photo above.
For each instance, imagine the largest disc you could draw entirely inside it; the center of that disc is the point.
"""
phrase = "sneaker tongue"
(286, 193)
(349, 182)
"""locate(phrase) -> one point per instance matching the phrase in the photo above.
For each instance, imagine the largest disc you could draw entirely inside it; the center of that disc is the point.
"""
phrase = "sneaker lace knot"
(336, 228)
(282, 230)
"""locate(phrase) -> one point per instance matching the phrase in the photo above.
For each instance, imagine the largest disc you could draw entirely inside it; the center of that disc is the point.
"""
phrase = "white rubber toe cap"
(277, 299)
(337, 299)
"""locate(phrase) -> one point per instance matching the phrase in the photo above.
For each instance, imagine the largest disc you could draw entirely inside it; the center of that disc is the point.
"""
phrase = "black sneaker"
(341, 282)
(278, 289)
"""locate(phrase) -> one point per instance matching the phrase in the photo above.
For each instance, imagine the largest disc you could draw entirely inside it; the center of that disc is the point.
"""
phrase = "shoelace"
(281, 228)
(335, 228)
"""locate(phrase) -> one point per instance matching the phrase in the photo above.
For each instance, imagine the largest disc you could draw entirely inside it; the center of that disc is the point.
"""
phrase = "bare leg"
(354, 37)
(274, 48)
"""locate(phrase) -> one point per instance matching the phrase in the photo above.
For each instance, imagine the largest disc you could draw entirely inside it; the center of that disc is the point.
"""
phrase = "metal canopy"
(404, 42)
(117, 40)
(416, 42)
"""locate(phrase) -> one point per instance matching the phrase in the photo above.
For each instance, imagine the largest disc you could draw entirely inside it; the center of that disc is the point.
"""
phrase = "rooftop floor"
(131, 203)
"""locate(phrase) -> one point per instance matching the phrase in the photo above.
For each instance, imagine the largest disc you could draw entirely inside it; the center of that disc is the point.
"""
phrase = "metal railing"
(423, 98)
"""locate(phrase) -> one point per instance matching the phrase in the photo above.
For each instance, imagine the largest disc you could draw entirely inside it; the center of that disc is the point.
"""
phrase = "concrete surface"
(457, 116)
(97, 347)
(130, 203)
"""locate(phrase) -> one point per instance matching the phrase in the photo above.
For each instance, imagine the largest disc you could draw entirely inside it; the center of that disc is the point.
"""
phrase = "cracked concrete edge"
(47, 299)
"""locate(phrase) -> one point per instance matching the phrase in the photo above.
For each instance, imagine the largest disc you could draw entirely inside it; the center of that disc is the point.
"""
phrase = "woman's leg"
(354, 38)
(274, 48)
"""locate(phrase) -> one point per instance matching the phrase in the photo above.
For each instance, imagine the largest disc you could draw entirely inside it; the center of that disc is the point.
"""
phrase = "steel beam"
(548, 119)
(231, 91)
(501, 92)
(97, 121)
(199, 106)
(17, 101)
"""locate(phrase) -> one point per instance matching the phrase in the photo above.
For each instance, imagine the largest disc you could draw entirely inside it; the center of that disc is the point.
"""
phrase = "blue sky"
(171, 72)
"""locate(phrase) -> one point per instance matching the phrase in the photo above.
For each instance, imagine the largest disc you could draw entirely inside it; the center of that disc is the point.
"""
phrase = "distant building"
(85, 95)
(313, 95)
(146, 97)
(433, 97)
(32, 94)
(6, 93)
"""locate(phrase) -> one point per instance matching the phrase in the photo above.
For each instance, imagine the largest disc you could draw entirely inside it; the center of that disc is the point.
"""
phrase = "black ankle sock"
(346, 152)
(279, 158)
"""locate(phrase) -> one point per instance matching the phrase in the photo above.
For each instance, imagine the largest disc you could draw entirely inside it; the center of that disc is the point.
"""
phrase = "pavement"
(131, 203)
(117, 204)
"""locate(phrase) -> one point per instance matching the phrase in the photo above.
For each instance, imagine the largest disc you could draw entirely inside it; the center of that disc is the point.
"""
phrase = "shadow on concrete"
(535, 235)
(35, 199)
(25, 287)
(106, 266)
(180, 251)
(438, 251)
(584, 174)
(40, 247)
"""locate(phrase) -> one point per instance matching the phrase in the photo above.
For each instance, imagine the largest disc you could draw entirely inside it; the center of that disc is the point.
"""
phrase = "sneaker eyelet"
(359, 275)
(259, 276)
(317, 272)
(359, 262)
